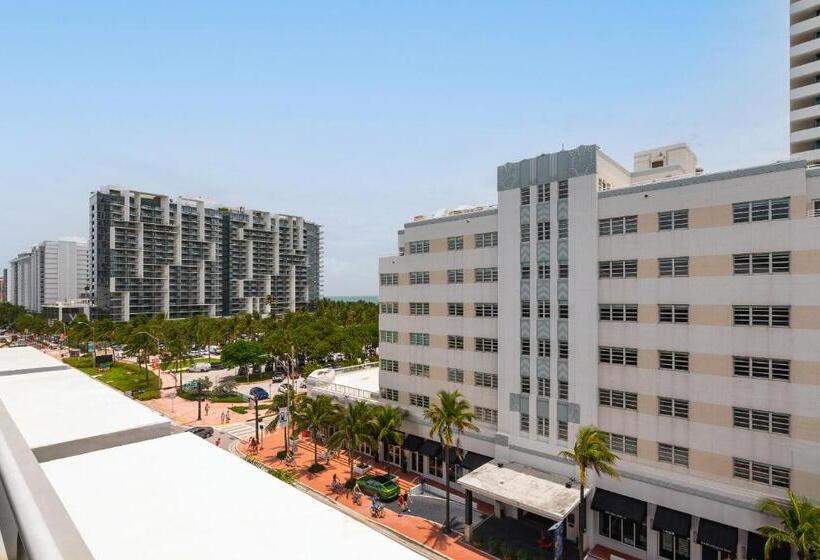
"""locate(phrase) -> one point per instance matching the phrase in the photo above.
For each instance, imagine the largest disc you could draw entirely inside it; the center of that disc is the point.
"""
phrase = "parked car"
(385, 486)
(200, 367)
(202, 431)
(217, 365)
(191, 387)
(259, 393)
(278, 376)
(243, 370)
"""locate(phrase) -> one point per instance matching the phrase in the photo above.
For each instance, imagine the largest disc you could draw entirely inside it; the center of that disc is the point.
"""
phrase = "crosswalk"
(241, 430)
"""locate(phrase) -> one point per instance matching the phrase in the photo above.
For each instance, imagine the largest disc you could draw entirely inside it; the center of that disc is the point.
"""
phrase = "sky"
(360, 115)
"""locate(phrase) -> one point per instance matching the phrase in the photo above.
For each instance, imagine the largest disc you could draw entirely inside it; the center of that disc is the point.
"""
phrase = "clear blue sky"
(359, 115)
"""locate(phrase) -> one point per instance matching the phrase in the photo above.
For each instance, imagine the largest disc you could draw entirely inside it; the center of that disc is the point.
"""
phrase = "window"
(563, 189)
(486, 344)
(455, 243)
(524, 422)
(563, 229)
(542, 426)
(482, 379)
(616, 355)
(618, 312)
(395, 454)
(622, 530)
(669, 313)
(525, 233)
(543, 387)
(543, 271)
(563, 349)
(455, 276)
(525, 308)
(389, 279)
(489, 239)
(525, 346)
(544, 193)
(669, 359)
(543, 231)
(389, 394)
(673, 454)
(525, 271)
(486, 310)
(421, 277)
(422, 401)
(419, 339)
(525, 385)
(618, 399)
(761, 368)
(543, 309)
(760, 210)
(418, 308)
(618, 226)
(390, 365)
(563, 311)
(761, 472)
(486, 274)
(543, 347)
(623, 444)
(618, 269)
(762, 315)
(455, 375)
(419, 247)
(762, 263)
(563, 390)
(563, 430)
(486, 415)
(525, 196)
(389, 336)
(455, 342)
(422, 370)
(389, 307)
(677, 408)
(673, 266)
(455, 309)
(672, 546)
(761, 420)
(673, 219)
(563, 269)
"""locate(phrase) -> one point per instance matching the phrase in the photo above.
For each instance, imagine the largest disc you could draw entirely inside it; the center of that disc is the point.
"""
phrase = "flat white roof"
(365, 379)
(13, 360)
(181, 497)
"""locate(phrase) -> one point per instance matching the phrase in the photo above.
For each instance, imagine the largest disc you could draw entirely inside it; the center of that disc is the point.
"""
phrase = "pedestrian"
(207, 407)
(227, 416)
(400, 503)
(218, 441)
(222, 417)
(406, 500)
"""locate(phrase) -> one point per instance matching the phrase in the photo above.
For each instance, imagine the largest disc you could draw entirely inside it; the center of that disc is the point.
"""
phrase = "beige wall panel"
(647, 359)
(647, 268)
(647, 223)
(647, 404)
(799, 206)
(710, 216)
(438, 276)
(806, 428)
(711, 463)
(805, 317)
(438, 245)
(647, 449)
(469, 242)
(713, 414)
(805, 373)
(711, 364)
(806, 484)
(711, 315)
(438, 309)
(711, 265)
(805, 262)
(647, 313)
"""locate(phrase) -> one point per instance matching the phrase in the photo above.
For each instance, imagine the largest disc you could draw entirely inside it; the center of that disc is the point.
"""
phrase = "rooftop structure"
(348, 383)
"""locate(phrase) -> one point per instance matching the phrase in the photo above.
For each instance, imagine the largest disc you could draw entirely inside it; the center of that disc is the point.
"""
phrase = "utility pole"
(256, 421)
(199, 399)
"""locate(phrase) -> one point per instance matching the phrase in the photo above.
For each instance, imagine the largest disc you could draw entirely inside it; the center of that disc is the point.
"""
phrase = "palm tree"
(314, 414)
(353, 429)
(387, 421)
(453, 414)
(800, 526)
(287, 397)
(591, 451)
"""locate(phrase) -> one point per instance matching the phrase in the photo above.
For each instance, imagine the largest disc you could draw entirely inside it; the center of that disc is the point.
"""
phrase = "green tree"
(353, 429)
(243, 353)
(313, 415)
(799, 526)
(449, 417)
(591, 451)
(387, 421)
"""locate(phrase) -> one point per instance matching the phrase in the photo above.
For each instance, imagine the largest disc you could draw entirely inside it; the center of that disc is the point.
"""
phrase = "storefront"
(673, 529)
(620, 518)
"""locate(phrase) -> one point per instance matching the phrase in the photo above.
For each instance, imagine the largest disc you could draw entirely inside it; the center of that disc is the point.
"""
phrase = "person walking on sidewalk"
(400, 503)
(406, 501)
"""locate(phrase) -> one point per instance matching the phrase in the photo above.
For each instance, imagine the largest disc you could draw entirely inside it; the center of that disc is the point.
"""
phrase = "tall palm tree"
(387, 421)
(353, 428)
(287, 397)
(800, 526)
(591, 451)
(451, 415)
(314, 414)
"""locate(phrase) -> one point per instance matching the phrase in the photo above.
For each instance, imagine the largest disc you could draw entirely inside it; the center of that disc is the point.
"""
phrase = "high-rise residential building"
(804, 89)
(675, 310)
(4, 281)
(50, 272)
(152, 254)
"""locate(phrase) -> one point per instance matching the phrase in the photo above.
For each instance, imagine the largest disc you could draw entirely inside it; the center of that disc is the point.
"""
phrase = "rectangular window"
(455, 375)
(455, 243)
(389, 307)
(673, 266)
(673, 454)
(543, 271)
(544, 193)
(761, 368)
(486, 415)
(760, 210)
(486, 310)
(563, 189)
(543, 387)
(486, 345)
(421, 401)
(525, 271)
(563, 229)
(677, 408)
(419, 339)
(627, 531)
(543, 347)
(525, 233)
(673, 313)
(617, 355)
(623, 444)
(761, 420)
(543, 309)
(618, 269)
(543, 231)
(455, 276)
(525, 196)
(389, 365)
(482, 379)
(389, 336)
(673, 219)
(618, 226)
(486, 274)
(455, 342)
(543, 426)
(524, 422)
(563, 390)
(525, 385)
(488, 239)
(525, 308)
(761, 472)
(618, 312)
(389, 279)
(419, 308)
(422, 370)
(419, 246)
(677, 361)
(762, 263)
(455, 309)
(563, 349)
(420, 277)
(563, 311)
(762, 315)
(563, 430)
(618, 399)
(563, 269)
(389, 394)
(525, 346)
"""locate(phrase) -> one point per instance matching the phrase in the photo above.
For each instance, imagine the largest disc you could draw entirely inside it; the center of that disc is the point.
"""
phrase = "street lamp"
(159, 343)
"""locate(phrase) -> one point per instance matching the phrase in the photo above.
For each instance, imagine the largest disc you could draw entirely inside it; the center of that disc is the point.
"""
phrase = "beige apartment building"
(676, 310)
(804, 79)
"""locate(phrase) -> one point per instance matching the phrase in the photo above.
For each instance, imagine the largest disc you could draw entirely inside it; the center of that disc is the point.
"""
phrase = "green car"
(384, 486)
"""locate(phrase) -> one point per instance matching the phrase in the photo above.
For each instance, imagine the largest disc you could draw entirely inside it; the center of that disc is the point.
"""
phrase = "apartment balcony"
(811, 90)
(805, 26)
(796, 9)
(808, 113)
(806, 153)
(801, 53)
(805, 135)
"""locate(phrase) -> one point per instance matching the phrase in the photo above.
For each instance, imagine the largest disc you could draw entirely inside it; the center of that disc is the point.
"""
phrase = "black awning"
(756, 544)
(474, 460)
(412, 443)
(622, 506)
(672, 521)
(430, 448)
(717, 535)
(454, 458)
